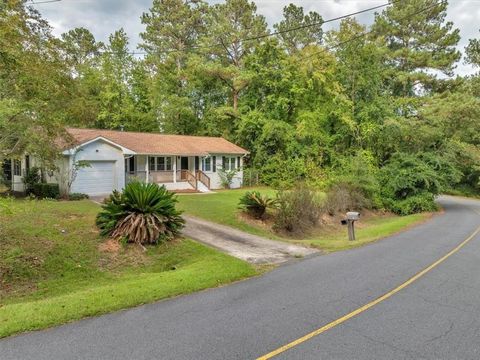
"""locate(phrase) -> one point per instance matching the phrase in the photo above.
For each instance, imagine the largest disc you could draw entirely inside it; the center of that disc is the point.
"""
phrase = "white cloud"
(102, 17)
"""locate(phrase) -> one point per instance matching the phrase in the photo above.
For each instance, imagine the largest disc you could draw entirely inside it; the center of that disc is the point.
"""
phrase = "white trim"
(147, 169)
(125, 150)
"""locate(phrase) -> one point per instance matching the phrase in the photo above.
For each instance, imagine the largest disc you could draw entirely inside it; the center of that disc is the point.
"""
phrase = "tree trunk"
(235, 100)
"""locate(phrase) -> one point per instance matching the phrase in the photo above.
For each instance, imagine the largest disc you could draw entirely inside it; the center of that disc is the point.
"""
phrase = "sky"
(102, 17)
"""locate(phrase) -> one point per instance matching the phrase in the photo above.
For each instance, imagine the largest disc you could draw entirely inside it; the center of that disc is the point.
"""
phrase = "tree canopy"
(304, 101)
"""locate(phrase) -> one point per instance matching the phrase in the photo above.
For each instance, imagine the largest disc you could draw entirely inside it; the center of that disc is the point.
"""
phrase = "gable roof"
(159, 144)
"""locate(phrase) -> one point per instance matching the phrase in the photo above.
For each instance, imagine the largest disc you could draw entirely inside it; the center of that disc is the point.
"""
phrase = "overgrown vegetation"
(142, 214)
(298, 211)
(379, 101)
(328, 234)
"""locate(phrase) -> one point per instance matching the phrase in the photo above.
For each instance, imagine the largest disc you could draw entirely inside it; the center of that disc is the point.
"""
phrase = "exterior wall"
(102, 151)
(161, 176)
(215, 181)
(50, 177)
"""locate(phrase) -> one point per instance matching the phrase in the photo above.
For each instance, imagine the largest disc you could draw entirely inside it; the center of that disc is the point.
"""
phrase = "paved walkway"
(251, 248)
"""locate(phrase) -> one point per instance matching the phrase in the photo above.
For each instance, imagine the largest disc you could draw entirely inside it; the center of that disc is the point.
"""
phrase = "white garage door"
(98, 179)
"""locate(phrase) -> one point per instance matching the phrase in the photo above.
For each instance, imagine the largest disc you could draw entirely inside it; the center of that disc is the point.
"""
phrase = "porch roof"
(159, 144)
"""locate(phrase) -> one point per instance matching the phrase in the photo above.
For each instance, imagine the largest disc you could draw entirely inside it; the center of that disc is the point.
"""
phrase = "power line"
(262, 36)
(258, 37)
(328, 48)
(43, 2)
(323, 21)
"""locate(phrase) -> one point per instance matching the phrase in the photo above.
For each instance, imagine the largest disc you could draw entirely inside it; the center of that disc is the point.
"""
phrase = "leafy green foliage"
(256, 204)
(309, 28)
(31, 178)
(77, 196)
(413, 204)
(142, 213)
(46, 191)
(332, 109)
(226, 177)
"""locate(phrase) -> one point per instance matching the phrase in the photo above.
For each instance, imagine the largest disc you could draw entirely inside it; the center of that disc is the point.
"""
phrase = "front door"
(183, 167)
(184, 163)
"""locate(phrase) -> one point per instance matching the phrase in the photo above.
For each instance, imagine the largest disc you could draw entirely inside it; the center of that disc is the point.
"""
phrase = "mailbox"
(353, 215)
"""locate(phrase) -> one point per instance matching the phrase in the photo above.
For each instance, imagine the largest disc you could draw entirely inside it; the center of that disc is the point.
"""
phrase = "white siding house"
(114, 158)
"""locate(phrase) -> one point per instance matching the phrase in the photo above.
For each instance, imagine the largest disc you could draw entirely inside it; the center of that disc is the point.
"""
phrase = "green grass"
(54, 270)
(369, 230)
(222, 207)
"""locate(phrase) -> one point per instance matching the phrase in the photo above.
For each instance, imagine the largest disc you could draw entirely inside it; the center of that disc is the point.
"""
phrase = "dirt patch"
(110, 246)
(116, 256)
(265, 223)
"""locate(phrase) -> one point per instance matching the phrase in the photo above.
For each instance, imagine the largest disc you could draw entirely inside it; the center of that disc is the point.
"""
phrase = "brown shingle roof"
(160, 144)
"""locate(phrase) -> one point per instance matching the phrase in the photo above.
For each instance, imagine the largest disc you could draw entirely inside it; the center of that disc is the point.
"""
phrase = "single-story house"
(116, 158)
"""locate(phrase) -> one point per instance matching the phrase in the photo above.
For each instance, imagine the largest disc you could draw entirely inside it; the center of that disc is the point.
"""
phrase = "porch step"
(202, 188)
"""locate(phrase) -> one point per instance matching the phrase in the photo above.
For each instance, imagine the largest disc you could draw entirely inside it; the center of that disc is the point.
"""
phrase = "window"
(160, 163)
(151, 163)
(229, 163)
(17, 167)
(207, 164)
(131, 164)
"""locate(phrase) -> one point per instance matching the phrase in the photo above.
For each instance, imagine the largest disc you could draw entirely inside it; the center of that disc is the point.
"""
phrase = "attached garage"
(98, 179)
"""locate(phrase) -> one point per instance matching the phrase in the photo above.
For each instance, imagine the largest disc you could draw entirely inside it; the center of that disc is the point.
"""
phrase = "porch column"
(175, 159)
(147, 169)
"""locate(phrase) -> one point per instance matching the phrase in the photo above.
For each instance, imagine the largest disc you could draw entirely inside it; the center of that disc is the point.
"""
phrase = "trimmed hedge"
(43, 191)
(77, 196)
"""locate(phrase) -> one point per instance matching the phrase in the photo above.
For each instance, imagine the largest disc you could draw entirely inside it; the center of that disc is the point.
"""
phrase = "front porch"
(175, 172)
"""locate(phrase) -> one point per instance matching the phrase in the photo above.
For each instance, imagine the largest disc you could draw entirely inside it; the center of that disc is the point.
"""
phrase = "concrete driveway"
(435, 316)
(251, 248)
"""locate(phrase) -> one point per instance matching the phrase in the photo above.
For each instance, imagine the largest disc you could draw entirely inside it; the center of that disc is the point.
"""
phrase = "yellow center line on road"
(370, 304)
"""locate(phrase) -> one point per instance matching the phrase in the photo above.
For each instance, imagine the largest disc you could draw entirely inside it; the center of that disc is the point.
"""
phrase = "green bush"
(413, 204)
(411, 181)
(256, 204)
(226, 177)
(46, 191)
(298, 210)
(143, 214)
(354, 183)
(282, 172)
(77, 196)
(31, 178)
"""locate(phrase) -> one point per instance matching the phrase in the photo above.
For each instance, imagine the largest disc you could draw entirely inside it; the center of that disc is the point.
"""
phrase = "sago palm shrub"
(256, 204)
(142, 214)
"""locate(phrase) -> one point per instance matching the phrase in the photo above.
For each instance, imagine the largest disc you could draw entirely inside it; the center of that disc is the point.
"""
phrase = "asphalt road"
(435, 317)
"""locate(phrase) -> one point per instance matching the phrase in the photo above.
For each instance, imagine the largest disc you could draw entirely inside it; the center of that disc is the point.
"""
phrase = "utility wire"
(262, 36)
(328, 48)
(322, 22)
(43, 2)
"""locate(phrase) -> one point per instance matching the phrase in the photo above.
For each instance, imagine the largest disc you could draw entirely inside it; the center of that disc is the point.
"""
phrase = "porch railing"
(190, 178)
(167, 177)
(203, 178)
(136, 176)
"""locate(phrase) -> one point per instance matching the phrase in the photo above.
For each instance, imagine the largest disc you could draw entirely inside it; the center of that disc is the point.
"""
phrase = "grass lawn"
(371, 229)
(222, 207)
(55, 268)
